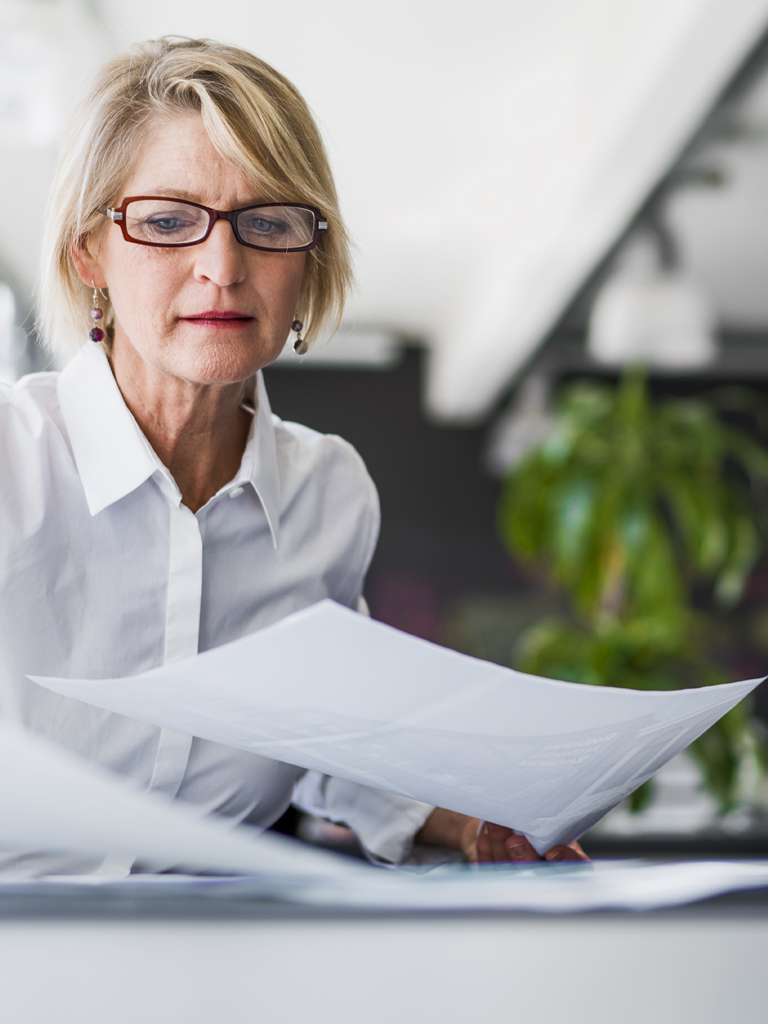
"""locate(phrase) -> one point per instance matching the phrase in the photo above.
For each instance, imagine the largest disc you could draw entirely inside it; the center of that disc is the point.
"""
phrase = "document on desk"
(328, 689)
(536, 888)
(51, 800)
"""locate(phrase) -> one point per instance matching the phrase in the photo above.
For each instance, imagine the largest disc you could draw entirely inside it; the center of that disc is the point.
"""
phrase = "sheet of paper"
(545, 888)
(329, 689)
(566, 889)
(54, 802)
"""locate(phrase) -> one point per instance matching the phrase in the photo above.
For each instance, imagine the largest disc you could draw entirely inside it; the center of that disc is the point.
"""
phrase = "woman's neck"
(198, 431)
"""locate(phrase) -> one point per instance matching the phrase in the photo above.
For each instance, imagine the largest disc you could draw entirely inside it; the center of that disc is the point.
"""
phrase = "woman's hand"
(482, 842)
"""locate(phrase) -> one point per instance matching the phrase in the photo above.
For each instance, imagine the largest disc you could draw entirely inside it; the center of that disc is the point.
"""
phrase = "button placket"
(182, 634)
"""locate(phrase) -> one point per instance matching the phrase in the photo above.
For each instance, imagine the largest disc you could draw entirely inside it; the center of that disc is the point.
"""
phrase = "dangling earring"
(299, 346)
(97, 313)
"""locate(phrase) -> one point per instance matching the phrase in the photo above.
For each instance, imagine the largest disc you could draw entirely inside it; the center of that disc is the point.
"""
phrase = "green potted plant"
(629, 504)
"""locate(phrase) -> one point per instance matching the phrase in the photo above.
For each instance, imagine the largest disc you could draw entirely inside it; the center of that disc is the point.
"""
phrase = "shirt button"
(236, 492)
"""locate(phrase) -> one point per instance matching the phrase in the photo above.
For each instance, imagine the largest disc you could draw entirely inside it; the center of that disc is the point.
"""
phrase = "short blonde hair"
(255, 118)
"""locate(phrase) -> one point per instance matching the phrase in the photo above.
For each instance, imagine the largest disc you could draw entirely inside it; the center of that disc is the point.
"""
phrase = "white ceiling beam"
(523, 284)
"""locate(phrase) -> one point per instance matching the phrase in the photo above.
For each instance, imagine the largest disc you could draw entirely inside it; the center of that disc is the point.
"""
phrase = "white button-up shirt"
(104, 572)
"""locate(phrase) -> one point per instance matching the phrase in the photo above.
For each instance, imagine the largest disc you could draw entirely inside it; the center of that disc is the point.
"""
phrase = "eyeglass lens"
(174, 222)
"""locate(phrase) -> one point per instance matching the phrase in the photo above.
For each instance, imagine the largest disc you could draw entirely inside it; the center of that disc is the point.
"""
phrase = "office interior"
(529, 187)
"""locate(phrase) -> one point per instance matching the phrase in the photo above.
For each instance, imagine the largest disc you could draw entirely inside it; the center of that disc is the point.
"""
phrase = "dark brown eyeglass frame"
(117, 215)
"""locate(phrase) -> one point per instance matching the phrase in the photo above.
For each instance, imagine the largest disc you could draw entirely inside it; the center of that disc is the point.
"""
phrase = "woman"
(151, 506)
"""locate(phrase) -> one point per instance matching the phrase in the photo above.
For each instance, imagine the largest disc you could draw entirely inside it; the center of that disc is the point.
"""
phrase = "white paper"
(542, 888)
(54, 802)
(329, 689)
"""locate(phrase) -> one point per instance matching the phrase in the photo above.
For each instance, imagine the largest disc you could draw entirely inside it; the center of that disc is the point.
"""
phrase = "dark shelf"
(671, 847)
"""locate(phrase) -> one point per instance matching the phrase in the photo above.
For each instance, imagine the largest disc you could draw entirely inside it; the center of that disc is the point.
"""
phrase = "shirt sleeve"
(385, 823)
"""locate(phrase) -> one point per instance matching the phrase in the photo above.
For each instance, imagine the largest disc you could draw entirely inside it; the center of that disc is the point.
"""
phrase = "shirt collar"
(112, 455)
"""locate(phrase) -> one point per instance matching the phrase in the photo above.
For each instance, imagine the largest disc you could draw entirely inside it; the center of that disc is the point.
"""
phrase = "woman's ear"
(86, 264)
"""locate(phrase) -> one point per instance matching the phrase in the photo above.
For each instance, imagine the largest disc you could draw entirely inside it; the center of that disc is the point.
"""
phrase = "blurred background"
(539, 194)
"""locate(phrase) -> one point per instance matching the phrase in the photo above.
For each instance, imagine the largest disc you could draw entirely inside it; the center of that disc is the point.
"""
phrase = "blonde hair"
(255, 118)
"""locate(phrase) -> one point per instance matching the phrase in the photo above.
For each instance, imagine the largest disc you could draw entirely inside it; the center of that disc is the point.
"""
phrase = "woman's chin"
(221, 363)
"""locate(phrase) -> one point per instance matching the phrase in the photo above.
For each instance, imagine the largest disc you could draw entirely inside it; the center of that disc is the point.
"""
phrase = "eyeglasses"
(167, 222)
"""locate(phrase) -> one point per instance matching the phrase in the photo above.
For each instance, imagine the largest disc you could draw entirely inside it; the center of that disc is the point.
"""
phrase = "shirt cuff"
(384, 823)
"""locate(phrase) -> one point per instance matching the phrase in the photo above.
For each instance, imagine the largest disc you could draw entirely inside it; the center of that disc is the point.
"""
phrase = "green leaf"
(641, 798)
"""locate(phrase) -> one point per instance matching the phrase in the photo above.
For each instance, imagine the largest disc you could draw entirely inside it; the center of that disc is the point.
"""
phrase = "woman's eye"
(163, 222)
(166, 223)
(263, 226)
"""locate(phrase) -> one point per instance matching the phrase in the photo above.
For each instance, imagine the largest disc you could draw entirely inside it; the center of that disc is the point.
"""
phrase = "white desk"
(187, 962)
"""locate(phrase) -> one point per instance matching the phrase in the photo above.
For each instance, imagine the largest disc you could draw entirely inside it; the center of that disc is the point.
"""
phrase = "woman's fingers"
(520, 850)
(490, 843)
(497, 844)
(561, 853)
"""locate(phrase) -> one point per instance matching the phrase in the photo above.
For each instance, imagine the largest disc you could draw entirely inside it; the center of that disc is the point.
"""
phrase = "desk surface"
(185, 959)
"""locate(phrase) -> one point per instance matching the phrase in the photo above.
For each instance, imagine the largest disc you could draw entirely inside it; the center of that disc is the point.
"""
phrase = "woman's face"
(165, 301)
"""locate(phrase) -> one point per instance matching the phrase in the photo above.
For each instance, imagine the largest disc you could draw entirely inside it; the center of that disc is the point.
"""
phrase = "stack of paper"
(50, 800)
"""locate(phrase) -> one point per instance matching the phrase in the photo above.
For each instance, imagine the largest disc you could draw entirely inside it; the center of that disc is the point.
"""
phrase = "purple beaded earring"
(299, 346)
(97, 313)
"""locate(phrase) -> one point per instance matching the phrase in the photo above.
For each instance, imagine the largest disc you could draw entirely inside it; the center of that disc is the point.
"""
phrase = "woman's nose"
(220, 258)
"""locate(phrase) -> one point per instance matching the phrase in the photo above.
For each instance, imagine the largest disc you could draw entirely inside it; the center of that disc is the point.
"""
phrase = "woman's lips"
(218, 318)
